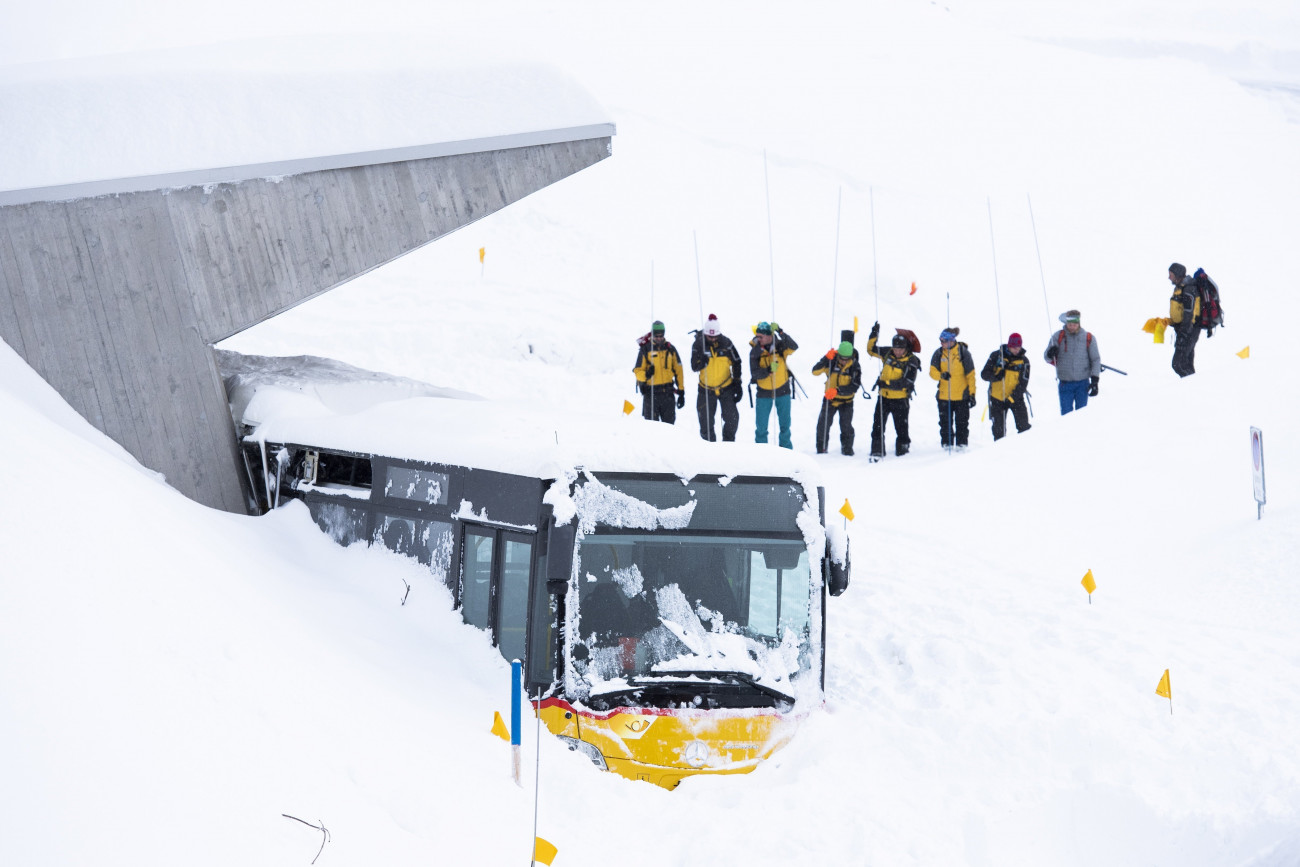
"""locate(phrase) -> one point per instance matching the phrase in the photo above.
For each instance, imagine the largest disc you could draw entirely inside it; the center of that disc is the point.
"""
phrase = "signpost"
(1257, 458)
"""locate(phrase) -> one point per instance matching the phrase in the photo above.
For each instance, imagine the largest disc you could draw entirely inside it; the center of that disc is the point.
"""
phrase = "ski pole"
(1113, 369)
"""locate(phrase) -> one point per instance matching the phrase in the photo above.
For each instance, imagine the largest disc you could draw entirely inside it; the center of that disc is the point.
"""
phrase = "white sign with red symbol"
(1257, 459)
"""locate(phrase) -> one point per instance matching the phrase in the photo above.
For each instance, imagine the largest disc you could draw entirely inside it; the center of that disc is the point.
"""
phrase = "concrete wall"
(116, 300)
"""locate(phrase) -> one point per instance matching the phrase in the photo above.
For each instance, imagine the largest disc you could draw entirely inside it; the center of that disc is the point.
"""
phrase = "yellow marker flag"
(499, 726)
(482, 252)
(1088, 583)
(628, 407)
(543, 852)
(1162, 688)
(846, 510)
(1245, 353)
(855, 325)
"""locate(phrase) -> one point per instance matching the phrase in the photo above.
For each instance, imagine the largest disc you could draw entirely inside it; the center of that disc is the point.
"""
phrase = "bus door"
(495, 575)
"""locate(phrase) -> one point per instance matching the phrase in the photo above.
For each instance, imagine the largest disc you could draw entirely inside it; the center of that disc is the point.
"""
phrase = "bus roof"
(329, 405)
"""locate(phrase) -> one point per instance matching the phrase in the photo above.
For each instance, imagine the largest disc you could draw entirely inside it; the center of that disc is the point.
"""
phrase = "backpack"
(1211, 315)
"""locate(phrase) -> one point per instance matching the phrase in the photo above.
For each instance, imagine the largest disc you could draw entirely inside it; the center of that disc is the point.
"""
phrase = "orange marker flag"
(1164, 691)
(543, 851)
(1245, 353)
(1089, 584)
(628, 407)
(846, 510)
(913, 292)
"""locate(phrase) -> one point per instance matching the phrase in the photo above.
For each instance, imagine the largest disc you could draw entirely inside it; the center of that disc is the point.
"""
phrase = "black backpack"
(1211, 315)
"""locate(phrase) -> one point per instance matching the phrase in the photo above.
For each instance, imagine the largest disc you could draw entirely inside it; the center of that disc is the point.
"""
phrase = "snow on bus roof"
(262, 108)
(328, 404)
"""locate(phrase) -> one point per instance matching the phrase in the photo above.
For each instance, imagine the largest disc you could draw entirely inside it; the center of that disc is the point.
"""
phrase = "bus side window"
(476, 579)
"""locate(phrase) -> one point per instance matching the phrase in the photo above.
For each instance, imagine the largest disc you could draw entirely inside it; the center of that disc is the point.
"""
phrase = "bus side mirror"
(559, 559)
(836, 574)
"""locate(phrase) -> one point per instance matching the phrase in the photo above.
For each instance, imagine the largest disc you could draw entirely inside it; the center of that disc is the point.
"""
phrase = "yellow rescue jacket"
(1185, 305)
(959, 366)
(1007, 375)
(898, 377)
(843, 376)
(659, 365)
(768, 366)
(717, 362)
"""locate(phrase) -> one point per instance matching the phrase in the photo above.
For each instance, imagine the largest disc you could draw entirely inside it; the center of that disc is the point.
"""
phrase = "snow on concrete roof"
(263, 109)
(331, 405)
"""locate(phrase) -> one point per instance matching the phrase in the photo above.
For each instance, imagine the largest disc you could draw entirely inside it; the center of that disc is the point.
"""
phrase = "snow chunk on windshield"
(601, 504)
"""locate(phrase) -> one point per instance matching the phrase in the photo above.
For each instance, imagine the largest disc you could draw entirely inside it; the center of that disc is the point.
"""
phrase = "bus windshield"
(667, 607)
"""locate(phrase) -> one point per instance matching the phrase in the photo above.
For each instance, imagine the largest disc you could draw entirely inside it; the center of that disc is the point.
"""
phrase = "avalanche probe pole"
(1046, 306)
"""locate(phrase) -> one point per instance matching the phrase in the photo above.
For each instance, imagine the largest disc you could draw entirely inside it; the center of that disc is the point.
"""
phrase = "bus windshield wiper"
(709, 674)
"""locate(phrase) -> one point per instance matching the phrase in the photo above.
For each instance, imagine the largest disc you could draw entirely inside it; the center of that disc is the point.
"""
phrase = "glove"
(737, 392)
(1092, 389)
(945, 375)
(997, 377)
(830, 354)
(970, 401)
(776, 329)
(875, 330)
(649, 369)
(681, 398)
(1209, 332)
(1053, 350)
(643, 387)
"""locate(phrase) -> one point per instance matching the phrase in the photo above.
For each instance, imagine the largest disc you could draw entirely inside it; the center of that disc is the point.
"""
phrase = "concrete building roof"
(136, 122)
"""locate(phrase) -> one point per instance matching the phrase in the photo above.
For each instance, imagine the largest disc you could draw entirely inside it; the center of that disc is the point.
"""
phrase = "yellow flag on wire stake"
(846, 510)
(499, 726)
(1089, 584)
(628, 407)
(543, 851)
(1164, 691)
(855, 325)
(1245, 353)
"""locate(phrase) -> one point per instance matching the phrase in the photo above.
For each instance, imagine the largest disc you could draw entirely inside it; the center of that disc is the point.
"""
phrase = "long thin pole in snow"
(537, 771)
(997, 290)
(875, 286)
(652, 290)
(771, 258)
(1046, 306)
(835, 268)
(699, 287)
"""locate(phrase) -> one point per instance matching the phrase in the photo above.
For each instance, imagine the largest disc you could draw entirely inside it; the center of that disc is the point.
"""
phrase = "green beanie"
(846, 349)
(657, 327)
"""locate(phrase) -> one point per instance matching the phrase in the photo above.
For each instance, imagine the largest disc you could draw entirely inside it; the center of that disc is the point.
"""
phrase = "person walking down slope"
(1077, 359)
(1007, 372)
(843, 379)
(897, 382)
(954, 369)
(715, 359)
(1185, 316)
(659, 376)
(770, 371)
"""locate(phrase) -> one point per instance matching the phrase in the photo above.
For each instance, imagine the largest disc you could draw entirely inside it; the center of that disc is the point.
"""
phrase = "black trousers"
(827, 417)
(886, 408)
(705, 401)
(954, 422)
(1185, 351)
(659, 404)
(998, 413)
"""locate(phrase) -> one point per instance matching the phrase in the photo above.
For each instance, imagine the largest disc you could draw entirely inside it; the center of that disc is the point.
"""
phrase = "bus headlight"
(586, 749)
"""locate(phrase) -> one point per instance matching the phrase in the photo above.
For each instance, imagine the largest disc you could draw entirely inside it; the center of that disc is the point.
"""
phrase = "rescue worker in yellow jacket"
(769, 369)
(897, 382)
(954, 369)
(1184, 316)
(1007, 372)
(659, 376)
(715, 359)
(843, 379)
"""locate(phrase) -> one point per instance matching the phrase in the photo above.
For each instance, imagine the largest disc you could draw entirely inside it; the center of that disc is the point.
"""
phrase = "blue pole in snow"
(516, 714)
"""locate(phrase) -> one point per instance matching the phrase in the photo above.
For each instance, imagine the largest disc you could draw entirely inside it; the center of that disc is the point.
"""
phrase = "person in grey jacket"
(1074, 353)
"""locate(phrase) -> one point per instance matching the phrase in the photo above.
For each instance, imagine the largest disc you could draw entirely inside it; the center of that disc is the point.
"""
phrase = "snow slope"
(173, 680)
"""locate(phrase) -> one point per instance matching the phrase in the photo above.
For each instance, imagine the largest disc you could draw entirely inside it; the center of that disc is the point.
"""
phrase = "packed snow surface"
(174, 681)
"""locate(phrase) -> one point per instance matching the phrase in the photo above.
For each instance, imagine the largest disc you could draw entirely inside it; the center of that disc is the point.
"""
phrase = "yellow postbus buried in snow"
(670, 620)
